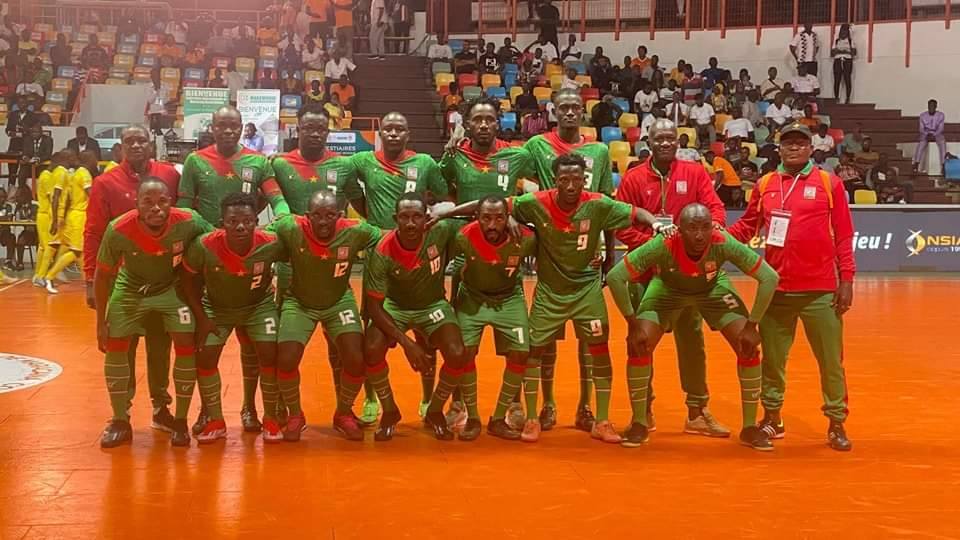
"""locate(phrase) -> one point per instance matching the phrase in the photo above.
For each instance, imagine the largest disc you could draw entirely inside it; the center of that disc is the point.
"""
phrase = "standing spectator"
(601, 73)
(549, 17)
(335, 112)
(345, 92)
(692, 85)
(170, 52)
(702, 117)
(400, 17)
(245, 45)
(678, 73)
(549, 51)
(931, 130)
(713, 74)
(538, 62)
(526, 102)
(605, 113)
(729, 185)
(37, 148)
(804, 49)
(771, 86)
(508, 53)
(7, 238)
(343, 21)
(822, 141)
(200, 30)
(652, 72)
(453, 99)
(804, 84)
(289, 58)
(26, 45)
(220, 44)
(337, 67)
(779, 114)
(641, 60)
(82, 142)
(750, 110)
(176, 28)
(378, 29)
(677, 111)
(489, 60)
(267, 34)
(843, 53)
(645, 99)
(597, 56)
(60, 54)
(217, 81)
(738, 127)
(156, 108)
(571, 53)
(441, 51)
(313, 57)
(235, 80)
(318, 10)
(251, 139)
(93, 55)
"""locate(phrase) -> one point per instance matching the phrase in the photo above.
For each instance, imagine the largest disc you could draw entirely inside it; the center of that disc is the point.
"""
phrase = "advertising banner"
(262, 109)
(199, 104)
(351, 142)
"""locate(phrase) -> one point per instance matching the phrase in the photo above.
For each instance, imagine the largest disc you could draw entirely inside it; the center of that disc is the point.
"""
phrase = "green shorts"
(297, 322)
(258, 323)
(550, 312)
(424, 321)
(127, 310)
(508, 319)
(719, 306)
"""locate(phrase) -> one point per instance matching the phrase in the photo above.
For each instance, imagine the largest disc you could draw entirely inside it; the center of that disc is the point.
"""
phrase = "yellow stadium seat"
(747, 192)
(107, 39)
(628, 120)
(151, 49)
(61, 84)
(514, 92)
(117, 82)
(719, 120)
(505, 105)
(556, 81)
(268, 52)
(542, 94)
(141, 77)
(54, 111)
(752, 147)
(246, 65)
(588, 132)
(312, 75)
(489, 80)
(443, 80)
(691, 135)
(585, 80)
(619, 149)
(591, 103)
(170, 74)
(552, 69)
(125, 60)
(624, 163)
(865, 196)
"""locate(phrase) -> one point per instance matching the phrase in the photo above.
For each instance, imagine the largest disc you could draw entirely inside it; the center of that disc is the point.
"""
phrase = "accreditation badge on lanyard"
(780, 218)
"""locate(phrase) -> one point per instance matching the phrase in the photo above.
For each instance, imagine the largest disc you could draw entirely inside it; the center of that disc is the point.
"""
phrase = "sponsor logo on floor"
(18, 372)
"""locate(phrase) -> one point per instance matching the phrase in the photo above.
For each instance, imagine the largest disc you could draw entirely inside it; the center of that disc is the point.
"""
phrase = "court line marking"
(12, 285)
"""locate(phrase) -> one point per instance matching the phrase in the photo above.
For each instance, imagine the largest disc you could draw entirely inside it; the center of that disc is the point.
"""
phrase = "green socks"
(586, 375)
(209, 381)
(269, 390)
(548, 364)
(531, 380)
(349, 388)
(512, 381)
(449, 380)
(116, 372)
(602, 378)
(289, 383)
(468, 389)
(184, 379)
(379, 377)
(749, 373)
(250, 367)
(638, 381)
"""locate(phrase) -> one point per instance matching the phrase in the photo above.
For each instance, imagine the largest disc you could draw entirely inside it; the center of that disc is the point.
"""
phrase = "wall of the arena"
(885, 81)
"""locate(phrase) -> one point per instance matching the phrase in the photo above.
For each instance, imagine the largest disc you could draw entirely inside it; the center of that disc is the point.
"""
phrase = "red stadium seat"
(589, 93)
(837, 135)
(632, 135)
(717, 148)
(467, 79)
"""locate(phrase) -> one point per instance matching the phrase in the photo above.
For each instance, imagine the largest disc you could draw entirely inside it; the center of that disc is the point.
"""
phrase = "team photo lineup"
(181, 262)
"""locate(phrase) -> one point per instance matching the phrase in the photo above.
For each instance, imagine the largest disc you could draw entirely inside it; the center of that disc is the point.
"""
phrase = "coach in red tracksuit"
(802, 212)
(664, 185)
(113, 194)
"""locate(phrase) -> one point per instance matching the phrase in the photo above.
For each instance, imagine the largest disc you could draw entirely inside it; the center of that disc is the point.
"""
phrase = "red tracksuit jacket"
(112, 194)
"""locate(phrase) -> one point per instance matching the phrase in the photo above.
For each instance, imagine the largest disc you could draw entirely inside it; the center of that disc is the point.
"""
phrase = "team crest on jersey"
(682, 187)
(411, 173)
(503, 166)
(258, 267)
(589, 162)
(246, 174)
(177, 247)
(585, 225)
(343, 253)
(432, 251)
(513, 260)
(331, 177)
(711, 268)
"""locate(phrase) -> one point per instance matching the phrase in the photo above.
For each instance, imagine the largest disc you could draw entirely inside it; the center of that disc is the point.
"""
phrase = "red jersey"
(113, 194)
(819, 241)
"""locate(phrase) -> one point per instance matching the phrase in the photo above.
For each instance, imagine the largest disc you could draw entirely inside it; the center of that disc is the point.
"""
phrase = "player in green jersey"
(382, 177)
(208, 176)
(544, 149)
(689, 273)
(135, 276)
(476, 167)
(405, 291)
(323, 247)
(235, 264)
(569, 222)
(491, 294)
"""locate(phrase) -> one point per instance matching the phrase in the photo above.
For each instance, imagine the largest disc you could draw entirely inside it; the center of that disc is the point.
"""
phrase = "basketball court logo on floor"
(19, 372)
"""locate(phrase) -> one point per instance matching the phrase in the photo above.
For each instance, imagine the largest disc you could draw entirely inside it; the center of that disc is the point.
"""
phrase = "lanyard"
(664, 186)
(783, 198)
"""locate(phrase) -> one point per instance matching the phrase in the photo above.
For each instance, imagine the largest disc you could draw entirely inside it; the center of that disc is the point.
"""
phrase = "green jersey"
(473, 176)
(568, 241)
(413, 279)
(234, 280)
(687, 276)
(147, 264)
(492, 271)
(299, 179)
(208, 177)
(321, 270)
(547, 147)
(382, 182)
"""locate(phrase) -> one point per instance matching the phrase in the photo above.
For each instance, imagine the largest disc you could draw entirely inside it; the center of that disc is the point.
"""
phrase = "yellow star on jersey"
(231, 176)
(314, 178)
(484, 169)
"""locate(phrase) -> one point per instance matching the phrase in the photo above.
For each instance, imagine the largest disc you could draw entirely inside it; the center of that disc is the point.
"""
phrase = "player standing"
(808, 241)
(323, 247)
(113, 194)
(664, 186)
(209, 175)
(228, 284)
(598, 179)
(45, 188)
(137, 275)
(74, 194)
(690, 277)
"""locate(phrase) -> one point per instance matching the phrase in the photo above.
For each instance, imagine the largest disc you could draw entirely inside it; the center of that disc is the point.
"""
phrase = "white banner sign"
(262, 109)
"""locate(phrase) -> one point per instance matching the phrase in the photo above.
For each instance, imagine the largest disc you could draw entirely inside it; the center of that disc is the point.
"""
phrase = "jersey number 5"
(340, 269)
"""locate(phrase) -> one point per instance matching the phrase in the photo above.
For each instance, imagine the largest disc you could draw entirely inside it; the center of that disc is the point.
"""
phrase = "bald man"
(690, 276)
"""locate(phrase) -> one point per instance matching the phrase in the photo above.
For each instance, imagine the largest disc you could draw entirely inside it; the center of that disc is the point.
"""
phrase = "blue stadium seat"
(508, 121)
(579, 66)
(623, 104)
(66, 72)
(498, 92)
(509, 79)
(511, 68)
(616, 180)
(193, 74)
(610, 134)
(951, 170)
(290, 101)
(762, 107)
(456, 45)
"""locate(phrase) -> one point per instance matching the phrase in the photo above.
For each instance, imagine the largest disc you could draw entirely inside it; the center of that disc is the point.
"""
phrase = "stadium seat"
(131, 38)
(268, 52)
(586, 58)
(619, 149)
(591, 103)
(610, 133)
(127, 48)
(312, 75)
(951, 169)
(552, 69)
(193, 84)
(221, 62)
(691, 135)
(61, 84)
(54, 111)
(267, 63)
(762, 106)
(752, 147)
(589, 93)
(759, 162)
(747, 192)
(628, 120)
(291, 101)
(148, 61)
(542, 94)
(152, 37)
(717, 148)
(124, 60)
(471, 92)
(514, 92)
(556, 81)
(443, 80)
(246, 65)
(489, 79)
(760, 134)
(719, 120)
(865, 196)
(511, 68)
(509, 79)
(584, 80)
(142, 77)
(441, 67)
(508, 121)
(151, 49)
(640, 146)
(467, 79)
(170, 74)
(588, 133)
(498, 92)
(615, 177)
(823, 119)
(193, 74)
(57, 97)
(67, 72)
(116, 81)
(262, 73)
(505, 105)
(837, 135)
(632, 134)
(622, 103)
(623, 164)
(456, 45)
(580, 68)
(832, 162)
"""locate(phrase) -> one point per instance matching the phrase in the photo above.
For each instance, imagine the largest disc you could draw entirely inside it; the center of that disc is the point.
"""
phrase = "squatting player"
(234, 263)
(136, 275)
(405, 291)
(689, 275)
(208, 176)
(323, 248)
(598, 178)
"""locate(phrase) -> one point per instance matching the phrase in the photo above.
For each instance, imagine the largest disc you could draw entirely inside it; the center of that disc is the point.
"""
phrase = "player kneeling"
(235, 265)
(146, 245)
(690, 276)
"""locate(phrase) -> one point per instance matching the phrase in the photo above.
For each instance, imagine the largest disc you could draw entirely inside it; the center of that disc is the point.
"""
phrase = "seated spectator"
(508, 53)
(713, 74)
(29, 89)
(527, 75)
(677, 111)
(808, 119)
(789, 97)
(61, 53)
(822, 141)
(771, 164)
(820, 160)
(885, 180)
(771, 86)
(267, 81)
(571, 53)
(93, 55)
(465, 61)
(217, 81)
(335, 112)
(738, 127)
(645, 99)
(805, 84)
(170, 52)
(641, 60)
(778, 114)
(850, 174)
(200, 30)
(526, 102)
(692, 85)
(313, 57)
(853, 140)
(744, 85)
(246, 45)
(290, 84)
(220, 44)
(601, 73)
(551, 112)
(597, 56)
(538, 61)
(176, 28)
(7, 238)
(534, 124)
(719, 99)
(866, 158)
(667, 92)
(702, 117)
(316, 93)
(747, 170)
(290, 37)
(41, 74)
(196, 57)
(648, 121)
(25, 210)
(750, 110)
(290, 58)
(549, 50)
(623, 79)
(346, 93)
(27, 46)
(931, 124)
(490, 61)
(440, 51)
(678, 73)
(684, 153)
(605, 113)
(267, 35)
(251, 139)
(337, 67)
(729, 187)
(652, 70)
(570, 80)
